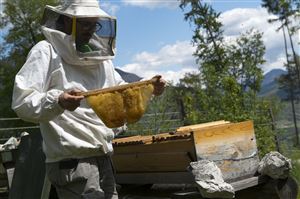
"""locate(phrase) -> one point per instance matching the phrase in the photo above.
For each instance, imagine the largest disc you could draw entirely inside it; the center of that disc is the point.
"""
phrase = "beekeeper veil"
(83, 14)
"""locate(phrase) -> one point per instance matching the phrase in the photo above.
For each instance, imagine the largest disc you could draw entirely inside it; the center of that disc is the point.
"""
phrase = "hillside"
(270, 86)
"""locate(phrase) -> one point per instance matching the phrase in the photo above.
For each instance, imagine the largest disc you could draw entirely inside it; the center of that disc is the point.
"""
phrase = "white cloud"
(153, 3)
(171, 61)
(111, 9)
(275, 63)
(169, 55)
(174, 60)
(239, 20)
(2, 6)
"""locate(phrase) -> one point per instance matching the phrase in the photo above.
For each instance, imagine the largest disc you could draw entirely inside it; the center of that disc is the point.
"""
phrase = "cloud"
(169, 55)
(153, 3)
(278, 62)
(2, 6)
(171, 61)
(239, 20)
(174, 60)
(111, 9)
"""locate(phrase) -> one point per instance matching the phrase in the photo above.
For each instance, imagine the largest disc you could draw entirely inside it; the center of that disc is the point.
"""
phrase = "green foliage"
(162, 115)
(286, 11)
(229, 77)
(294, 155)
(20, 22)
(282, 8)
(23, 18)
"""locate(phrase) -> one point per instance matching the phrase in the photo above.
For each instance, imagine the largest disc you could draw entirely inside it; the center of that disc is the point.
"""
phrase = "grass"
(294, 155)
(296, 168)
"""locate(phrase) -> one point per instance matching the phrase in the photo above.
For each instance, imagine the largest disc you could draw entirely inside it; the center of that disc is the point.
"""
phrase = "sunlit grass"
(295, 156)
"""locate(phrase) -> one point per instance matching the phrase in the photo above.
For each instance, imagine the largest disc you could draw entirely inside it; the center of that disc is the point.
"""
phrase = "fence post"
(181, 109)
(274, 129)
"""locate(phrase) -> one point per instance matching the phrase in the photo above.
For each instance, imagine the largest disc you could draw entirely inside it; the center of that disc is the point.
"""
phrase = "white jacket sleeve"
(31, 101)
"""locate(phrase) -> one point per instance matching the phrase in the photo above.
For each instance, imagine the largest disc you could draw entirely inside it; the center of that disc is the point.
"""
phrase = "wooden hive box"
(164, 158)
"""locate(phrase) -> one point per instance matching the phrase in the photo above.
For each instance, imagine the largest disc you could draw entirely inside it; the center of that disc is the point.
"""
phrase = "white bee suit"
(52, 67)
(76, 143)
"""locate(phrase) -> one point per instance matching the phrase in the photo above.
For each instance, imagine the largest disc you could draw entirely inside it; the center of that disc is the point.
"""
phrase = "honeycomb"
(116, 108)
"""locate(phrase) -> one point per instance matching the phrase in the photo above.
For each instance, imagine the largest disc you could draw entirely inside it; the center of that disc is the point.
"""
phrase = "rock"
(275, 165)
(11, 143)
(210, 181)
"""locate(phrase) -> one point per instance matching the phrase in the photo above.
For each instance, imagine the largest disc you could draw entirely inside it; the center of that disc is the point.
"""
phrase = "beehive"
(162, 157)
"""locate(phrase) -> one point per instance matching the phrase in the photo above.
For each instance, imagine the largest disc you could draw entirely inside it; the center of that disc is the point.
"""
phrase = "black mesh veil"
(103, 39)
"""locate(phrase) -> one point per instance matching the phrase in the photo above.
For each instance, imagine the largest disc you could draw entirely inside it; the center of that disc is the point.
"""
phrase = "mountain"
(270, 86)
(128, 77)
(270, 76)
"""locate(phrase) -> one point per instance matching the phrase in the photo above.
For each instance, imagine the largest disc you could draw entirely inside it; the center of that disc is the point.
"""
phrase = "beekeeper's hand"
(70, 100)
(159, 85)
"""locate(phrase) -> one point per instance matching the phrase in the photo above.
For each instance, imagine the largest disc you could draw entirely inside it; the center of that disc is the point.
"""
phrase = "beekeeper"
(76, 56)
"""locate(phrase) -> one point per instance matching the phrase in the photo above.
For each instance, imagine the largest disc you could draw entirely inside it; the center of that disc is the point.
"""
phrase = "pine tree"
(20, 24)
(229, 77)
(286, 10)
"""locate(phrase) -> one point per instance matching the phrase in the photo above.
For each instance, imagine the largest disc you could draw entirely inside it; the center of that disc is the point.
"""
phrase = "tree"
(162, 115)
(23, 18)
(20, 22)
(286, 83)
(229, 75)
(286, 10)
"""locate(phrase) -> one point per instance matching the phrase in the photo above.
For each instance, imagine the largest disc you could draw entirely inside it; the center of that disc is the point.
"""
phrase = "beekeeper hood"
(83, 14)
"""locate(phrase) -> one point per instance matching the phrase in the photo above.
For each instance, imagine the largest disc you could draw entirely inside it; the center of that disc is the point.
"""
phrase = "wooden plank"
(124, 157)
(249, 182)
(149, 139)
(198, 126)
(127, 139)
(29, 174)
(186, 145)
(232, 146)
(151, 162)
(233, 170)
(119, 88)
(155, 178)
(227, 141)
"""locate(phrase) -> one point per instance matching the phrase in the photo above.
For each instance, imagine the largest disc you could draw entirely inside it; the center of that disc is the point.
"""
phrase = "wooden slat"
(232, 146)
(151, 162)
(164, 137)
(198, 126)
(118, 88)
(155, 178)
(185, 148)
(249, 182)
(29, 174)
(186, 145)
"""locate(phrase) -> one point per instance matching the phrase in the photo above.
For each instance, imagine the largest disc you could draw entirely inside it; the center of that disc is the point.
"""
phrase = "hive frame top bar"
(119, 88)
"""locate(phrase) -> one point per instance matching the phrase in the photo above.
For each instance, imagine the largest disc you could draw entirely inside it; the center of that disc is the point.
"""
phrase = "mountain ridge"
(270, 86)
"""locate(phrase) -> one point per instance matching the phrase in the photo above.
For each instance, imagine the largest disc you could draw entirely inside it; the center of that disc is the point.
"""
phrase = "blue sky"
(153, 38)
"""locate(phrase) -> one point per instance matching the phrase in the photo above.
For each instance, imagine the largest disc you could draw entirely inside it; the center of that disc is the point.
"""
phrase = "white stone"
(275, 165)
(209, 180)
